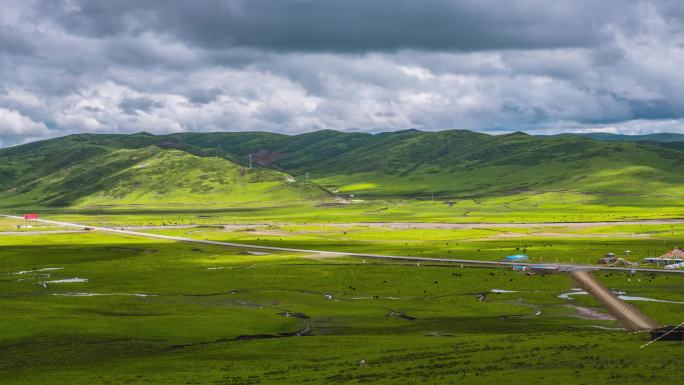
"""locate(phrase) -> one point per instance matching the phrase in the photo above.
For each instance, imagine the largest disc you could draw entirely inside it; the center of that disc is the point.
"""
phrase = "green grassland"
(410, 324)
(96, 308)
(19, 225)
(519, 208)
(10, 224)
(542, 244)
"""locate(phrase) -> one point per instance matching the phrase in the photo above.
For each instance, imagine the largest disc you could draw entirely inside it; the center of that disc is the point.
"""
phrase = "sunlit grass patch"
(358, 187)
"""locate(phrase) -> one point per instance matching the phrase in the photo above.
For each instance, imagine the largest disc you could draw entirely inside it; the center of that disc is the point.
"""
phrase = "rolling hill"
(120, 170)
(447, 163)
(212, 168)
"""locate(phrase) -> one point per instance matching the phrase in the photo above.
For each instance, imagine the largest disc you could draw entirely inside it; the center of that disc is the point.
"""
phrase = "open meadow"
(89, 307)
(133, 291)
(531, 207)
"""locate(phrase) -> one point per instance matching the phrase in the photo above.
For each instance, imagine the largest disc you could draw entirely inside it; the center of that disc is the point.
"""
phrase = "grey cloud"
(350, 25)
(203, 96)
(132, 106)
(12, 42)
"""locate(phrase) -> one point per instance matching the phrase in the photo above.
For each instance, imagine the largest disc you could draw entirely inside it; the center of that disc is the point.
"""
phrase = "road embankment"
(630, 316)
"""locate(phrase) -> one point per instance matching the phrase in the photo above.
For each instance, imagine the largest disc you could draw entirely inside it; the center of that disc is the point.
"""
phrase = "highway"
(566, 267)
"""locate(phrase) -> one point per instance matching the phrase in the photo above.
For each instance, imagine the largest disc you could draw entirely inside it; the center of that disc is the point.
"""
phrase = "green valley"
(179, 263)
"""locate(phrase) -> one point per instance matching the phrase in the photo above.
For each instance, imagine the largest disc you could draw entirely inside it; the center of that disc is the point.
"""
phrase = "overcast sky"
(291, 66)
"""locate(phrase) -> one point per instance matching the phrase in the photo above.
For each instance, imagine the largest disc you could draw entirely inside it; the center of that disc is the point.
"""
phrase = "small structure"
(543, 269)
(668, 333)
(28, 218)
(676, 255)
(608, 259)
(674, 266)
(516, 258)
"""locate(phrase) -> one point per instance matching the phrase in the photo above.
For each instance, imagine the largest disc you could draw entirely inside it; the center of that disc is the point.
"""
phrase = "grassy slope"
(452, 163)
(172, 176)
(93, 175)
(413, 164)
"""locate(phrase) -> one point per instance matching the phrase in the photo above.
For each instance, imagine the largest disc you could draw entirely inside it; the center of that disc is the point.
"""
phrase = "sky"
(293, 66)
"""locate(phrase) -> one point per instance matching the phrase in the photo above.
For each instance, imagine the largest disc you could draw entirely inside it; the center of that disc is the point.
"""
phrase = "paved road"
(632, 318)
(39, 232)
(570, 267)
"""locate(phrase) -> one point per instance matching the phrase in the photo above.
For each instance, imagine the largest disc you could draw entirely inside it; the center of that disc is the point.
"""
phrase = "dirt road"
(434, 225)
(484, 225)
(630, 317)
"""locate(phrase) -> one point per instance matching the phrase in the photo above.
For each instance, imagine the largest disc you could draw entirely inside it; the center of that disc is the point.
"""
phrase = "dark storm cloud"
(348, 25)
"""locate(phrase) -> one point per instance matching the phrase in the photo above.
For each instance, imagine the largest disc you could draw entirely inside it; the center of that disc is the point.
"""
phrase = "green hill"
(461, 162)
(411, 162)
(211, 168)
(70, 172)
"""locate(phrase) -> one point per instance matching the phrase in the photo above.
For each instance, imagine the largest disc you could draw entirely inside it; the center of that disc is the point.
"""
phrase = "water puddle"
(38, 270)
(400, 314)
(102, 294)
(299, 333)
(375, 297)
(574, 292)
(293, 315)
(606, 328)
(630, 298)
(66, 280)
(621, 295)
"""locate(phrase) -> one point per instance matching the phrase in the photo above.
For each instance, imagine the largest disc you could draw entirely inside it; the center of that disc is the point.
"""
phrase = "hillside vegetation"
(211, 168)
(89, 174)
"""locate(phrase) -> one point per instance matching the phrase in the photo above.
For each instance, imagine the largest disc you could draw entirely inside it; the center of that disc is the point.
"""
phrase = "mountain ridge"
(394, 164)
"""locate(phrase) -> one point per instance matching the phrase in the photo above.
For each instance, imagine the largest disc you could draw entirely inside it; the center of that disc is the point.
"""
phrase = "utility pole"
(250, 161)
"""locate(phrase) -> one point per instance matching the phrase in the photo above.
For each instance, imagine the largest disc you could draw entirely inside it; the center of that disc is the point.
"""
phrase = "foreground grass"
(167, 313)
